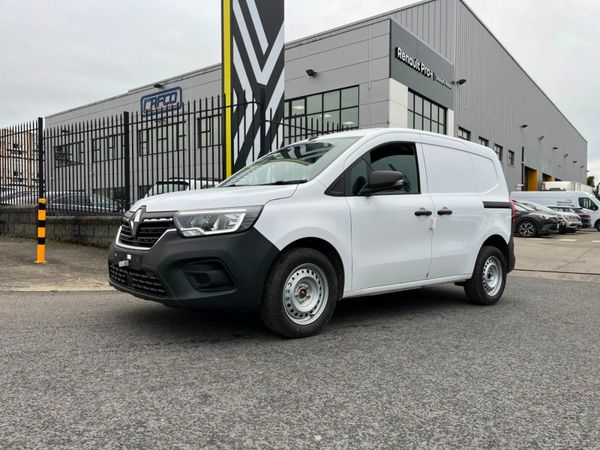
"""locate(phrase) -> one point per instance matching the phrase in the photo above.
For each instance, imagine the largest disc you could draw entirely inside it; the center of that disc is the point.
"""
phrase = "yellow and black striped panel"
(253, 70)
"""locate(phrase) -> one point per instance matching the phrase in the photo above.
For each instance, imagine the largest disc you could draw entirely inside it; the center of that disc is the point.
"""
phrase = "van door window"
(395, 156)
(587, 203)
(398, 157)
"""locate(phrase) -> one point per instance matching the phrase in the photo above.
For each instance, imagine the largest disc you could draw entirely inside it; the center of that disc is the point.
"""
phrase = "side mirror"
(384, 180)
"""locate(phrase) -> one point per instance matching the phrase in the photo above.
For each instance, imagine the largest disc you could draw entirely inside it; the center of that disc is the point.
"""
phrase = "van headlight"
(215, 221)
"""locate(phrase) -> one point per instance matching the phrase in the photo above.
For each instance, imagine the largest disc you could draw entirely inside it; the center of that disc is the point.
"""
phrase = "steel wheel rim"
(526, 229)
(492, 276)
(305, 294)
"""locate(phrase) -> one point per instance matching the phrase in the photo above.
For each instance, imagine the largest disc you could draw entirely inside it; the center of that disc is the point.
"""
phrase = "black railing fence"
(102, 166)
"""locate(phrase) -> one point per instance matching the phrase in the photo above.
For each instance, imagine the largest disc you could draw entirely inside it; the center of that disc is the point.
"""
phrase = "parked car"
(568, 222)
(70, 203)
(343, 215)
(9, 194)
(583, 216)
(584, 200)
(531, 223)
(180, 184)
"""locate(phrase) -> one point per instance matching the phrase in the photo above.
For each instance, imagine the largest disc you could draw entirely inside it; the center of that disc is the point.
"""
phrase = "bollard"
(41, 232)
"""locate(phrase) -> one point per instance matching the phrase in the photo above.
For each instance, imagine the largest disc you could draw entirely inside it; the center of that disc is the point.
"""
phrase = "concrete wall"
(98, 231)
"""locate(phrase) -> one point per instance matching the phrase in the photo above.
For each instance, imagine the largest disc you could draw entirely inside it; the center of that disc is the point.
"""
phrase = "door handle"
(423, 212)
(444, 212)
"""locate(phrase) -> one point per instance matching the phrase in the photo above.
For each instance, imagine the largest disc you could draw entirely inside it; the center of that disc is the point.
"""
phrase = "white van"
(343, 215)
(564, 198)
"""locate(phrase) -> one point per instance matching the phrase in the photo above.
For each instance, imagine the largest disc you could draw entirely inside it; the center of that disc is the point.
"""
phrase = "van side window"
(395, 156)
(398, 157)
(587, 203)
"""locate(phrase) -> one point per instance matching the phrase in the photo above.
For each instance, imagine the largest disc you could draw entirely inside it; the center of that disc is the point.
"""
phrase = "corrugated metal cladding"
(432, 22)
(499, 97)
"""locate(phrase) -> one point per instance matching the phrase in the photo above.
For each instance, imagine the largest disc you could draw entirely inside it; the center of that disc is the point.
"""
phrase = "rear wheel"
(489, 277)
(598, 225)
(300, 294)
(527, 228)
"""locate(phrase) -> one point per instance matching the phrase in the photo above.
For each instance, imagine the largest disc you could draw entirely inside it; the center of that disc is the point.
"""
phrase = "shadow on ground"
(371, 311)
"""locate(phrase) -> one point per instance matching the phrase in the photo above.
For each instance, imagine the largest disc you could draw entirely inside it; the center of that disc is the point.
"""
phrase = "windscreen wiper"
(282, 182)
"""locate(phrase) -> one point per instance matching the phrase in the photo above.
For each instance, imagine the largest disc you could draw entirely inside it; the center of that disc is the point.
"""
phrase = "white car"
(343, 215)
(180, 184)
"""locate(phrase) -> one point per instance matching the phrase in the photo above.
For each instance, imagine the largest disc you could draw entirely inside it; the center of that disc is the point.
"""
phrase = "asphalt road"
(418, 369)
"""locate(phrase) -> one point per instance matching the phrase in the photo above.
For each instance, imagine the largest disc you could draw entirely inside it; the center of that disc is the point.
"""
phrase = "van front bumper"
(219, 272)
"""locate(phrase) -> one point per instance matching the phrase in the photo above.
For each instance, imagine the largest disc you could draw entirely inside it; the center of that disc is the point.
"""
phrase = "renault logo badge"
(135, 221)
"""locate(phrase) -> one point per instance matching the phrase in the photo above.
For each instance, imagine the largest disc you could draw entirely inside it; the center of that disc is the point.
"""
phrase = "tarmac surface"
(421, 369)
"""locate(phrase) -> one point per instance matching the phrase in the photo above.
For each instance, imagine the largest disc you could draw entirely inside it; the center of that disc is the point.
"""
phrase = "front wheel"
(489, 277)
(300, 293)
(598, 225)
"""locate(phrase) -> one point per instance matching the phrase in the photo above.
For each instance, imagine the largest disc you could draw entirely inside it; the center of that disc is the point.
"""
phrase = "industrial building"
(433, 65)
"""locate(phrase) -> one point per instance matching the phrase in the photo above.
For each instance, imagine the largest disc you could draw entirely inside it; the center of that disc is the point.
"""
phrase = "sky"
(59, 54)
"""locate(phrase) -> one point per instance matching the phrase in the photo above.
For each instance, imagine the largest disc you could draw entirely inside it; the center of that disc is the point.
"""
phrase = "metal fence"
(102, 166)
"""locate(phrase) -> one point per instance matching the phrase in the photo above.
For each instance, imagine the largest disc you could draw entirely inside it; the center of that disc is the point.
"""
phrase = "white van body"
(575, 186)
(448, 208)
(573, 199)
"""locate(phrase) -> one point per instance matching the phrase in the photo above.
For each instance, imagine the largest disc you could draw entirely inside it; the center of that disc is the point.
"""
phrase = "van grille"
(139, 280)
(149, 231)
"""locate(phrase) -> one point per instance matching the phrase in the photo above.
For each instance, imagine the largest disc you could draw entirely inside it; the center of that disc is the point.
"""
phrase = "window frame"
(297, 125)
(414, 116)
(499, 151)
(464, 131)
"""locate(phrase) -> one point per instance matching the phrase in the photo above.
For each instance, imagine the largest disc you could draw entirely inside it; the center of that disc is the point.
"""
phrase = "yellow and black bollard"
(41, 232)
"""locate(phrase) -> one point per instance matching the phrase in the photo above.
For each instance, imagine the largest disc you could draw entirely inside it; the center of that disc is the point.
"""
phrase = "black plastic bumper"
(213, 272)
(512, 260)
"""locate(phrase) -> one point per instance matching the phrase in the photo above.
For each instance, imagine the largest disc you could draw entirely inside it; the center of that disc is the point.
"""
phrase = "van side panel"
(285, 222)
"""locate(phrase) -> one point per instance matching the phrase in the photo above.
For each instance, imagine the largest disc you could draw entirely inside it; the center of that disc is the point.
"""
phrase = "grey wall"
(499, 97)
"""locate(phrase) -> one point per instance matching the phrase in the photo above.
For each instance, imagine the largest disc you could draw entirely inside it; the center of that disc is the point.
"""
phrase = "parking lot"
(84, 366)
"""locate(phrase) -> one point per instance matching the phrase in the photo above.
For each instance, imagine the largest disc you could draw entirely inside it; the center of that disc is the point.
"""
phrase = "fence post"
(40, 151)
(263, 122)
(126, 152)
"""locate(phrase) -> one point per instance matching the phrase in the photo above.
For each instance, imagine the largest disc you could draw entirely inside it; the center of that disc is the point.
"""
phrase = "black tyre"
(489, 277)
(527, 228)
(598, 225)
(300, 293)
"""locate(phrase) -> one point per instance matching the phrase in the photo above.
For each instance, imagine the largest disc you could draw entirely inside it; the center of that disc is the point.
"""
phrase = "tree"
(591, 181)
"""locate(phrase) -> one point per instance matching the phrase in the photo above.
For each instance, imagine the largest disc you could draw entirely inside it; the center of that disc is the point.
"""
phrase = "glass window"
(358, 175)
(464, 134)
(511, 158)
(398, 157)
(314, 104)
(298, 107)
(331, 120)
(483, 141)
(294, 164)
(587, 203)
(423, 114)
(331, 100)
(328, 111)
(162, 139)
(499, 151)
(107, 148)
(67, 155)
(350, 117)
(210, 129)
(350, 97)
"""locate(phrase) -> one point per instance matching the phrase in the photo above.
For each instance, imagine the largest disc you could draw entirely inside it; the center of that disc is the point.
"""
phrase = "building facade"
(432, 66)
